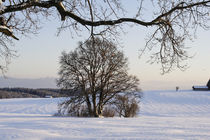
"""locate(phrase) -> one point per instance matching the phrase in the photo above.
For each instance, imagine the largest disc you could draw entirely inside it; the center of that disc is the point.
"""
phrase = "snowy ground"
(164, 115)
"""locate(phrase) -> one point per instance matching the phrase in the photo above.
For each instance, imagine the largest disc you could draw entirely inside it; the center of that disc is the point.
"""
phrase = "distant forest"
(31, 93)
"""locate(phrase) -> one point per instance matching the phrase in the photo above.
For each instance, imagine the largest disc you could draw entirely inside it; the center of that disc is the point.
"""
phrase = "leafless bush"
(126, 106)
(73, 110)
(83, 111)
(109, 112)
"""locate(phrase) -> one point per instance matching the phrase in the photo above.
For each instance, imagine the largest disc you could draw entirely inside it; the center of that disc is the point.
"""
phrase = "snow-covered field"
(164, 115)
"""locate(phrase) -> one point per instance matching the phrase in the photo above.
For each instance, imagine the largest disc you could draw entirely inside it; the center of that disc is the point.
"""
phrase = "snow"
(164, 115)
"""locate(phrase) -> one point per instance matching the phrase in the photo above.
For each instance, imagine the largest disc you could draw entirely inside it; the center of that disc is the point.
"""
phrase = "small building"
(208, 84)
(202, 88)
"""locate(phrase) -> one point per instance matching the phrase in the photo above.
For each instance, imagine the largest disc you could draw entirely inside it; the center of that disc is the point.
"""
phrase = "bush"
(109, 112)
(126, 106)
(83, 111)
(73, 110)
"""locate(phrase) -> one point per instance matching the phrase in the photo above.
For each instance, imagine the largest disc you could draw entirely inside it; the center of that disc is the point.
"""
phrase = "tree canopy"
(172, 22)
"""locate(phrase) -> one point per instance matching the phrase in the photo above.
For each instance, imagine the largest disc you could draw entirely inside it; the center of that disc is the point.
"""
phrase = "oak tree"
(95, 73)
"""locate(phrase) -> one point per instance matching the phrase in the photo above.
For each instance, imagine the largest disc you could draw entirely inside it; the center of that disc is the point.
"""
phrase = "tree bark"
(89, 106)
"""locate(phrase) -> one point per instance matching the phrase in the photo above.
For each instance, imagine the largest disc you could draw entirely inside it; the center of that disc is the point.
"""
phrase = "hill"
(29, 93)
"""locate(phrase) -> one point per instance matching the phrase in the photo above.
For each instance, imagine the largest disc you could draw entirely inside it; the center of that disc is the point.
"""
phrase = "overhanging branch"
(64, 13)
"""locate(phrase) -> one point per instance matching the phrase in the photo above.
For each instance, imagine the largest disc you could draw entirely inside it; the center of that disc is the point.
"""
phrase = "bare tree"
(172, 22)
(95, 73)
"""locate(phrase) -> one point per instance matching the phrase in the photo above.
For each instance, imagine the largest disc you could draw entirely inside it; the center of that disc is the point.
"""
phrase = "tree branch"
(63, 12)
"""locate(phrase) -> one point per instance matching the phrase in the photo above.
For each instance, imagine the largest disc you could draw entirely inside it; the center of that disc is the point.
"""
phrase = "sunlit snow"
(164, 115)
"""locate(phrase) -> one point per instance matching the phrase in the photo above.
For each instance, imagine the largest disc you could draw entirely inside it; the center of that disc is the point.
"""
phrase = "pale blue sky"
(39, 55)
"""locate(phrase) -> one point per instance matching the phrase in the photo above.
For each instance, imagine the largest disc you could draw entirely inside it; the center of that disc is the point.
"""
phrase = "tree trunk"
(100, 110)
(100, 105)
(89, 106)
(95, 111)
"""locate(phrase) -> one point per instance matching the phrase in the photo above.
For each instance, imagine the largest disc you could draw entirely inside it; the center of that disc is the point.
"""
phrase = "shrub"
(72, 110)
(126, 106)
(109, 112)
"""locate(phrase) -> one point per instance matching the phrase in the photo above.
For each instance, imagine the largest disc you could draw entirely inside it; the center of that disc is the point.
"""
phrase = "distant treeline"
(31, 93)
